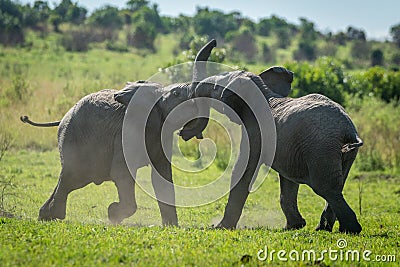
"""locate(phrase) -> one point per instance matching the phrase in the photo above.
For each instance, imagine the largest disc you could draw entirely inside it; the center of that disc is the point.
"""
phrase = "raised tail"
(348, 147)
(25, 119)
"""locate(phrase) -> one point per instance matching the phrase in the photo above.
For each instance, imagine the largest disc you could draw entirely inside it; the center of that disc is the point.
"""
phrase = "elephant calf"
(316, 144)
(91, 147)
(89, 141)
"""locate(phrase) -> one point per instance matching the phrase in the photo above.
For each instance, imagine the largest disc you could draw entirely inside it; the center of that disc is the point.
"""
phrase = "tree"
(360, 49)
(214, 23)
(107, 17)
(38, 14)
(307, 30)
(143, 36)
(147, 23)
(340, 38)
(264, 27)
(283, 35)
(244, 42)
(355, 34)
(67, 11)
(305, 51)
(11, 23)
(268, 55)
(395, 33)
(377, 58)
(134, 5)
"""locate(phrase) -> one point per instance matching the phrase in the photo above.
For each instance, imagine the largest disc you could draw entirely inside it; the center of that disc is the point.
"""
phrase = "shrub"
(377, 123)
(326, 77)
(377, 81)
(76, 40)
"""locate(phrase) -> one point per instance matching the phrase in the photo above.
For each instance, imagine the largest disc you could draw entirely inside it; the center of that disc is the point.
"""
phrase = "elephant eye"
(175, 93)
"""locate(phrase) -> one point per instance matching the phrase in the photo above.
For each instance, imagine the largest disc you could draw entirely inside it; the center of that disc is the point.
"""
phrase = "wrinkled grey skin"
(90, 145)
(316, 145)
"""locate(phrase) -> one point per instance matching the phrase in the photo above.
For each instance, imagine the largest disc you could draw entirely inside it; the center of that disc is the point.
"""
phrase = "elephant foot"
(226, 226)
(295, 226)
(170, 223)
(354, 228)
(324, 226)
(48, 213)
(117, 213)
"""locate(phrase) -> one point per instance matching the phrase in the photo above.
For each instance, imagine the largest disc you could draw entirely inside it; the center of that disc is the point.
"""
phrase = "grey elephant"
(90, 145)
(316, 145)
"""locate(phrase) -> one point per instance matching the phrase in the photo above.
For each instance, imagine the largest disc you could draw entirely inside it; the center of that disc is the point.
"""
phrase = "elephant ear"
(278, 79)
(125, 95)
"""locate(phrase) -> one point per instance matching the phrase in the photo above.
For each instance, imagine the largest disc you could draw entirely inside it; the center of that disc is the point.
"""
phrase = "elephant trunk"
(196, 126)
(200, 68)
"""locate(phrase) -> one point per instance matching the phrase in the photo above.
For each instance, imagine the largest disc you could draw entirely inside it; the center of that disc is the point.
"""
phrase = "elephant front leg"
(288, 201)
(55, 207)
(126, 207)
(161, 178)
(240, 190)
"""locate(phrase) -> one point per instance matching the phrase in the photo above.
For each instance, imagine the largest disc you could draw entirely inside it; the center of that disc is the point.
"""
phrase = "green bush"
(326, 77)
(377, 81)
(377, 123)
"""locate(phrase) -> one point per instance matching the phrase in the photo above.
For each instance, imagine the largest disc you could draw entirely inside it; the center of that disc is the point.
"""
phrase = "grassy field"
(86, 238)
(43, 81)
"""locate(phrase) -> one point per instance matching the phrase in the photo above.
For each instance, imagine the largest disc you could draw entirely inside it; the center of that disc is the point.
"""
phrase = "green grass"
(86, 238)
(52, 80)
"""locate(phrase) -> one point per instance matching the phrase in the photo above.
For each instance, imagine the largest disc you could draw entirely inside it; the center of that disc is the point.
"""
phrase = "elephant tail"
(348, 147)
(25, 119)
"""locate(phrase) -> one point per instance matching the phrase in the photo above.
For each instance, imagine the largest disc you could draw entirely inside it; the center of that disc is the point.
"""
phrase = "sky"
(374, 17)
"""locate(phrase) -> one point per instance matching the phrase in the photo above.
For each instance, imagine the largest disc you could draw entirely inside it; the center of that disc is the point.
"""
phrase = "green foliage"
(135, 5)
(147, 23)
(395, 33)
(106, 17)
(143, 36)
(378, 125)
(139, 23)
(11, 23)
(18, 90)
(214, 23)
(307, 49)
(68, 11)
(118, 47)
(7, 186)
(326, 77)
(77, 39)
(355, 34)
(244, 42)
(377, 81)
(377, 58)
(360, 50)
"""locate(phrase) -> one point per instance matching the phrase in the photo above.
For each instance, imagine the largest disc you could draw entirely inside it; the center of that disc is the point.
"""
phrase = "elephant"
(91, 149)
(316, 144)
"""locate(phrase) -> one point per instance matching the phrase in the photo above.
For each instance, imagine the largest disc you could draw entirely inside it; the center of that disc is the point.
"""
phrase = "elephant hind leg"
(328, 216)
(55, 206)
(329, 186)
(288, 201)
(126, 207)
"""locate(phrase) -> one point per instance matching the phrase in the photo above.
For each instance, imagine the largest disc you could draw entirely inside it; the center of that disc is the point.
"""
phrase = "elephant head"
(125, 95)
(176, 93)
(278, 79)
